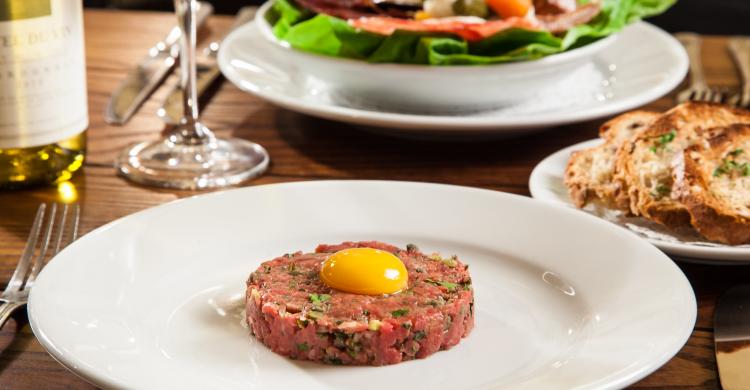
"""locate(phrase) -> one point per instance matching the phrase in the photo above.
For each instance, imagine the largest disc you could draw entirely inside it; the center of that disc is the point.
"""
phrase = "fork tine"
(76, 221)
(39, 260)
(61, 230)
(23, 263)
(61, 233)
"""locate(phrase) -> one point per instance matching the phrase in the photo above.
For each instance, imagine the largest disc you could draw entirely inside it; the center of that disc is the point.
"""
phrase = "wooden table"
(302, 148)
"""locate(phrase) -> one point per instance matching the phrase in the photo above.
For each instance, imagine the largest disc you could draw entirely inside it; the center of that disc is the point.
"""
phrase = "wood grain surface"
(302, 148)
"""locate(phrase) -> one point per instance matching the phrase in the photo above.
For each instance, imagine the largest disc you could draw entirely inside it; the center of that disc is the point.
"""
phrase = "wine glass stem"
(186, 12)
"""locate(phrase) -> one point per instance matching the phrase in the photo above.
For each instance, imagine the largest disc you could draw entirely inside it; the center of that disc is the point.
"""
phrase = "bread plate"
(546, 183)
(153, 300)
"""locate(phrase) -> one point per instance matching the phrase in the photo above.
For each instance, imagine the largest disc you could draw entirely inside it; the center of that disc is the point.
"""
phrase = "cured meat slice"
(469, 30)
(475, 29)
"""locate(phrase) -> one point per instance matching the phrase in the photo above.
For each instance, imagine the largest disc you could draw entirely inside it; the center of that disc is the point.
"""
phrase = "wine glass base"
(219, 163)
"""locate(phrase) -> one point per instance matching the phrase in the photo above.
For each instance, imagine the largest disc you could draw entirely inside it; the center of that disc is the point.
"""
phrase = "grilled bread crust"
(643, 168)
(712, 180)
(588, 174)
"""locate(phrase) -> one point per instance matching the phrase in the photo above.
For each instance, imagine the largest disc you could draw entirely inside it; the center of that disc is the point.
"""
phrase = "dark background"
(722, 17)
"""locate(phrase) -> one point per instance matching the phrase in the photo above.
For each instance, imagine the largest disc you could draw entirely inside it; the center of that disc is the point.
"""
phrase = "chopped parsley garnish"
(303, 347)
(399, 313)
(317, 299)
(334, 360)
(661, 190)
(663, 140)
(730, 165)
(450, 286)
(419, 335)
(406, 325)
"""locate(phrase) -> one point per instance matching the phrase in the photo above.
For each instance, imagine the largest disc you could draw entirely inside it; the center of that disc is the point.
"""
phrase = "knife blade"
(207, 72)
(732, 338)
(148, 74)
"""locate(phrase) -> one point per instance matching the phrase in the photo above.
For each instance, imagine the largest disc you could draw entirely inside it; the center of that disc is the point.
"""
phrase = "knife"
(148, 74)
(208, 72)
(732, 338)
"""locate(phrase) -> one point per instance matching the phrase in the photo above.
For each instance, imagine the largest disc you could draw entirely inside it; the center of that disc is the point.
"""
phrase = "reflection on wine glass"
(191, 157)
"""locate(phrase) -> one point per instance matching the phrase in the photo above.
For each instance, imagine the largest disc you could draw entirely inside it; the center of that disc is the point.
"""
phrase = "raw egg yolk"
(364, 271)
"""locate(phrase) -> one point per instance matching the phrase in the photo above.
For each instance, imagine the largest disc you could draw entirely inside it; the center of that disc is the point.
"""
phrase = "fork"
(16, 293)
(739, 47)
(698, 90)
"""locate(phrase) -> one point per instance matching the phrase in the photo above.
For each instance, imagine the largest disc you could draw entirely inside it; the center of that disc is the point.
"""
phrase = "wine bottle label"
(42, 72)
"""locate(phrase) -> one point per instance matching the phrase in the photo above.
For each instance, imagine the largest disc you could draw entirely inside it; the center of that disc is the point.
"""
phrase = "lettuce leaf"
(328, 35)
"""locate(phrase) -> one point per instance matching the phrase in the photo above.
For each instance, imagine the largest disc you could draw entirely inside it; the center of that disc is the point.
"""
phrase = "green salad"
(329, 35)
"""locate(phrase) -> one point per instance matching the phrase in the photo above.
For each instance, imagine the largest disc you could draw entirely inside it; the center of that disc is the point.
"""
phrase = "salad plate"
(624, 75)
(546, 183)
(154, 300)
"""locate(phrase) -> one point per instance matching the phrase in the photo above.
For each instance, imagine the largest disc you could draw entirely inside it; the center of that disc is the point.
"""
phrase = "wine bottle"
(43, 105)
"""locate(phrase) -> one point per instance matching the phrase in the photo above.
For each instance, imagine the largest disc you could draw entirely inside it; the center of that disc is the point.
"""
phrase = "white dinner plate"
(625, 75)
(546, 183)
(563, 299)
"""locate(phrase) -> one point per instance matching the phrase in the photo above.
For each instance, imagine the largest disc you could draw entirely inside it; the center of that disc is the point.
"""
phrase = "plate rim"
(450, 123)
(682, 252)
(642, 370)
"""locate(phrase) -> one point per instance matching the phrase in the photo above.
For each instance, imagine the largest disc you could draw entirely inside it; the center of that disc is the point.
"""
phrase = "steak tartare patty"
(293, 313)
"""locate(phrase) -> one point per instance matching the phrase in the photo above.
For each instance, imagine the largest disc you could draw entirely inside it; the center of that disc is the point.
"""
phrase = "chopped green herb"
(319, 298)
(366, 312)
(335, 361)
(419, 335)
(661, 190)
(406, 325)
(450, 286)
(302, 323)
(662, 140)
(729, 165)
(419, 270)
(303, 347)
(736, 152)
(399, 313)
(411, 248)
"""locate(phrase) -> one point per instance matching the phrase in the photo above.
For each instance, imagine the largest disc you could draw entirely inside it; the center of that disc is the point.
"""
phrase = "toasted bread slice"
(643, 166)
(589, 172)
(712, 179)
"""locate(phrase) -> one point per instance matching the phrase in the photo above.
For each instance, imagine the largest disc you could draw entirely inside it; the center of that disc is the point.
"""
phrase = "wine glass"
(191, 156)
